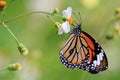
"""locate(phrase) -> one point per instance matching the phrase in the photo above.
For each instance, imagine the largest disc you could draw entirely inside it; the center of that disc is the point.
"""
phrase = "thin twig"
(25, 14)
(6, 27)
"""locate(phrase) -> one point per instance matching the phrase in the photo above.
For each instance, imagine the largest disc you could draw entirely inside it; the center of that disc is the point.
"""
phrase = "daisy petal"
(60, 31)
(66, 27)
(67, 13)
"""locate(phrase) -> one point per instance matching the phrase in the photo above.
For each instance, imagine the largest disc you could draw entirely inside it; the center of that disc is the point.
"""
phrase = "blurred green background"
(38, 34)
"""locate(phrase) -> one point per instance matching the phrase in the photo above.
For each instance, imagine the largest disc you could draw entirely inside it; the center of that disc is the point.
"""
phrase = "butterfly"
(83, 52)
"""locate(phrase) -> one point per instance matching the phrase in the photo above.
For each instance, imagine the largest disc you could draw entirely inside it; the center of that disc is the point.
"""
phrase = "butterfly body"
(83, 52)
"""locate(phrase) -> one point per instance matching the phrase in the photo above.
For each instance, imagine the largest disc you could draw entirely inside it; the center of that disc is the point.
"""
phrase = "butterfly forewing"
(82, 51)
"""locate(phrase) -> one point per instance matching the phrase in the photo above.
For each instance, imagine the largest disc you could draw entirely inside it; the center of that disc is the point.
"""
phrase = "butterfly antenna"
(78, 17)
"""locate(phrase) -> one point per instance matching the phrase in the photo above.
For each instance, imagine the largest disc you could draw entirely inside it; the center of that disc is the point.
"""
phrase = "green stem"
(3, 69)
(59, 16)
(25, 14)
(3, 15)
(3, 22)
(14, 18)
(18, 42)
(51, 19)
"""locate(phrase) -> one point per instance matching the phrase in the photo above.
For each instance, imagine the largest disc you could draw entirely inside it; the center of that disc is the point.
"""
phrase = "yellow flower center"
(117, 28)
(70, 20)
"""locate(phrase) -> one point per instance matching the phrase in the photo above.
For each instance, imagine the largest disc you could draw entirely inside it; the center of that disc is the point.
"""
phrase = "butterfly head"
(76, 23)
(77, 30)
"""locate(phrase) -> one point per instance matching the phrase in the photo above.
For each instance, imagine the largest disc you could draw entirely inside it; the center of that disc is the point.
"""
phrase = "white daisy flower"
(65, 26)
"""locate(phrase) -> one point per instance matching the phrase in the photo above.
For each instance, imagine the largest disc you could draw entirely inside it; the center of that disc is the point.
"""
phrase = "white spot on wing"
(101, 56)
(98, 59)
(95, 63)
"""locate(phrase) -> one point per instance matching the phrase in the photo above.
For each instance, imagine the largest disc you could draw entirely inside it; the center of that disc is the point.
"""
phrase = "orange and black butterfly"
(83, 52)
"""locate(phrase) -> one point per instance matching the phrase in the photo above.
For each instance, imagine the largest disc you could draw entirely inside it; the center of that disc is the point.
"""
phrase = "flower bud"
(22, 49)
(14, 67)
(64, 18)
(117, 29)
(57, 24)
(110, 37)
(2, 5)
(56, 10)
(117, 13)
